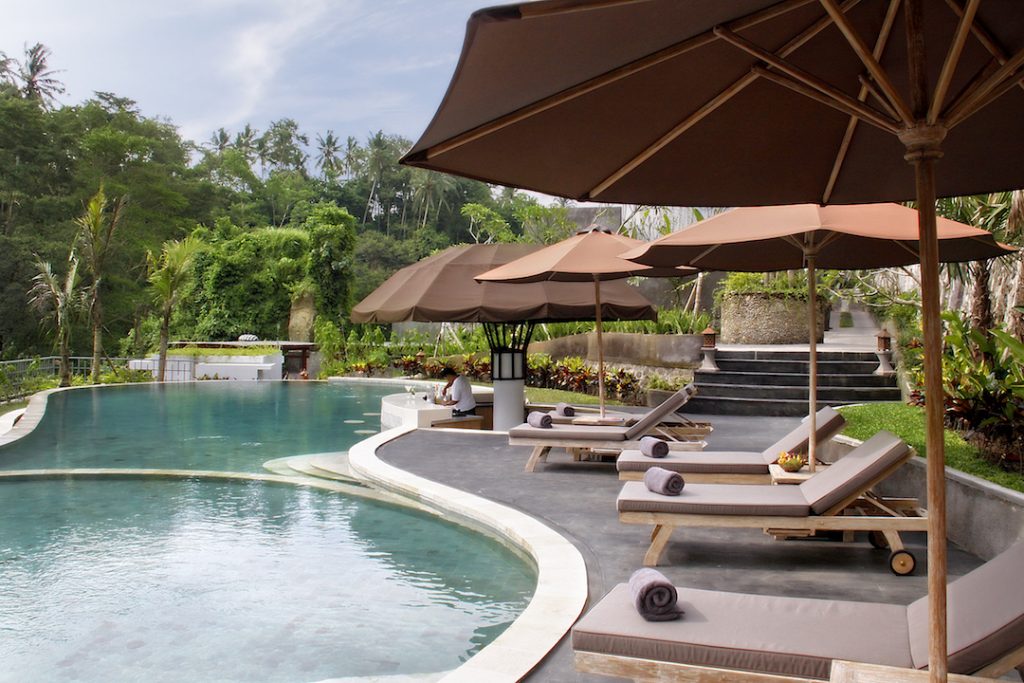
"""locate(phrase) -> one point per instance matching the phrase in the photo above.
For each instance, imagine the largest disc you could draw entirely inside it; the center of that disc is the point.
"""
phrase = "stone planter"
(764, 318)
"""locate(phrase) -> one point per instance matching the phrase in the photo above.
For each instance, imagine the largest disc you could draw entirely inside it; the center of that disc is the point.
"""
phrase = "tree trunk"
(165, 333)
(97, 338)
(981, 297)
(65, 360)
(1017, 317)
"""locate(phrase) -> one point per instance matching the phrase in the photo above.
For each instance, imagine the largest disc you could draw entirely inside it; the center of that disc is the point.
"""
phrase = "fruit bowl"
(791, 462)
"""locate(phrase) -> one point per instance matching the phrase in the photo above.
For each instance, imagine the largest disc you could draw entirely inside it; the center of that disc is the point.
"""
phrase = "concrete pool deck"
(578, 501)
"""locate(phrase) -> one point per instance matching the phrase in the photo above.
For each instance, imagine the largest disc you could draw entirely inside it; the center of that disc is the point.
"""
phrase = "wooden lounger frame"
(706, 477)
(542, 447)
(652, 670)
(860, 511)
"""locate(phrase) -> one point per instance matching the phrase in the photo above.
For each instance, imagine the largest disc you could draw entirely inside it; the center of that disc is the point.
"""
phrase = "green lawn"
(907, 422)
(13, 405)
(537, 395)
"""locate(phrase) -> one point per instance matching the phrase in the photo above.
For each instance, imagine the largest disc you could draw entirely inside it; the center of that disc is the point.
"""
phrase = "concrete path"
(578, 500)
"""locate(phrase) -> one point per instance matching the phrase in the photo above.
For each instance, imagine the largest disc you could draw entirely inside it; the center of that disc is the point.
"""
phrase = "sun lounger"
(821, 503)
(759, 638)
(732, 467)
(603, 437)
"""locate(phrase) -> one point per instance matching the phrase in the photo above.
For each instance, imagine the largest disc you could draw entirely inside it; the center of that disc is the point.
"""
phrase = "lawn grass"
(845, 319)
(13, 405)
(907, 422)
(538, 395)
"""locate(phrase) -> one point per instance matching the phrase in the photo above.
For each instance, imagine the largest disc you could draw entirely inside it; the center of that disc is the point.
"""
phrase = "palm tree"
(8, 70)
(169, 275)
(327, 160)
(60, 302)
(220, 140)
(96, 228)
(37, 78)
(245, 142)
(376, 162)
(352, 158)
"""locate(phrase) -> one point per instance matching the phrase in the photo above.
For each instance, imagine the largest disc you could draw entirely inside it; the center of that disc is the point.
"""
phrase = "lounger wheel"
(902, 562)
(877, 540)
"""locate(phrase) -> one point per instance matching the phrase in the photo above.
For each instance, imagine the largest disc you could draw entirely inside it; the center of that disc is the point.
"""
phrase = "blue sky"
(352, 66)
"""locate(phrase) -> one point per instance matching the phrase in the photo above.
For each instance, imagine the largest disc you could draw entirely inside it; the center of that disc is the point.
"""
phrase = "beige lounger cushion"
(854, 471)
(829, 423)
(717, 462)
(985, 615)
(578, 433)
(658, 413)
(778, 635)
(717, 499)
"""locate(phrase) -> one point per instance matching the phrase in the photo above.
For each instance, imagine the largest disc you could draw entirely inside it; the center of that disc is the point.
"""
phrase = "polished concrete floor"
(578, 500)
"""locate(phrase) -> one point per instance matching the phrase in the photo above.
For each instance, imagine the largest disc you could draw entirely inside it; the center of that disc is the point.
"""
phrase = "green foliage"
(908, 422)
(194, 351)
(670, 321)
(791, 285)
(845, 319)
(328, 337)
(332, 237)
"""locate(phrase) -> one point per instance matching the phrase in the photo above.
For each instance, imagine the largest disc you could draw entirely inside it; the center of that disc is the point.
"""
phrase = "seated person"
(458, 393)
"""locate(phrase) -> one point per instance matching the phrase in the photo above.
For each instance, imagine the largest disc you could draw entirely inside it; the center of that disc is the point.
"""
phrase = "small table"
(781, 476)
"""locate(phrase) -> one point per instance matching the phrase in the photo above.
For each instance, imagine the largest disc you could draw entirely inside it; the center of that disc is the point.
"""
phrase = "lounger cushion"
(769, 634)
(655, 415)
(718, 462)
(829, 423)
(717, 499)
(985, 615)
(572, 432)
(854, 471)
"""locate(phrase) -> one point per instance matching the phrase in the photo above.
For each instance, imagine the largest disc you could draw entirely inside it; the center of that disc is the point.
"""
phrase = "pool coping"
(561, 592)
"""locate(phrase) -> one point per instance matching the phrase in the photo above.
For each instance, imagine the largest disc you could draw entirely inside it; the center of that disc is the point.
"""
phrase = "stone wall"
(653, 350)
(766, 319)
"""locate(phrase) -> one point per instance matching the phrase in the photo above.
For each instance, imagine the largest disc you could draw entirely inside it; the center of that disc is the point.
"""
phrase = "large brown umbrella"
(591, 255)
(746, 103)
(768, 238)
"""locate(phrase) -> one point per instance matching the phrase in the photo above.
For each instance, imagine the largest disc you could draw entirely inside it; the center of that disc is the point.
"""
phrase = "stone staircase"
(774, 382)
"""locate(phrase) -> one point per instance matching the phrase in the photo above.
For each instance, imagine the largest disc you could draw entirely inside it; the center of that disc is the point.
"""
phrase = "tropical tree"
(169, 274)
(37, 78)
(220, 140)
(327, 159)
(245, 142)
(352, 157)
(59, 301)
(96, 228)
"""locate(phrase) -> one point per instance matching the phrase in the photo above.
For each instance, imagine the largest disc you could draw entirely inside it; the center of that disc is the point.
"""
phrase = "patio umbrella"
(768, 238)
(747, 103)
(441, 288)
(591, 255)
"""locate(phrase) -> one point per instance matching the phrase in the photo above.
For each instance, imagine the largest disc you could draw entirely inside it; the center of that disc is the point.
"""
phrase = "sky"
(350, 66)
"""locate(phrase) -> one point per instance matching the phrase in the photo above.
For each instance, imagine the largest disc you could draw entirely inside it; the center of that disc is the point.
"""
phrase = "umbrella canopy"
(591, 255)
(768, 238)
(441, 288)
(750, 102)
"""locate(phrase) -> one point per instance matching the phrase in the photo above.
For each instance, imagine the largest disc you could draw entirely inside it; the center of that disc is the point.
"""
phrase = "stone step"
(702, 405)
(795, 379)
(825, 367)
(794, 355)
(831, 393)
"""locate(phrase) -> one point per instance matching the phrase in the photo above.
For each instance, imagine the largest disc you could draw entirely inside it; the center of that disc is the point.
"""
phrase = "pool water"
(225, 426)
(206, 580)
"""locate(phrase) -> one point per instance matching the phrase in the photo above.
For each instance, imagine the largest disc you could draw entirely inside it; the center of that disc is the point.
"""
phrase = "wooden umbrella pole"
(812, 394)
(600, 345)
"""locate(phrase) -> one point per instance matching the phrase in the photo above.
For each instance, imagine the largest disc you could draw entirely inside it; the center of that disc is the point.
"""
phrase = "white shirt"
(462, 393)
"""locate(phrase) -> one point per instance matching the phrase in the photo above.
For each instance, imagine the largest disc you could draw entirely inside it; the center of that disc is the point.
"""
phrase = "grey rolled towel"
(654, 596)
(565, 410)
(665, 482)
(538, 419)
(653, 447)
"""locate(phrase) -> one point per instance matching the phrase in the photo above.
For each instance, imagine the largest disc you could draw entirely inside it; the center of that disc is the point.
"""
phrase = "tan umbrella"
(747, 103)
(590, 255)
(842, 237)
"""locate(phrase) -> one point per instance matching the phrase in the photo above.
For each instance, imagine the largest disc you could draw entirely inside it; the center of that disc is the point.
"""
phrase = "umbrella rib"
(711, 105)
(872, 64)
(970, 102)
(1007, 86)
(867, 85)
(851, 127)
(952, 60)
(860, 111)
(916, 253)
(983, 35)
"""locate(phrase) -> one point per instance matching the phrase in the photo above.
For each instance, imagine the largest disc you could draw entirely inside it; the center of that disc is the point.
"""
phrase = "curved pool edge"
(561, 593)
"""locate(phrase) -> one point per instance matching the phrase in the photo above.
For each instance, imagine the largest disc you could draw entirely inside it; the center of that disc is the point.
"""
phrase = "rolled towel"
(653, 447)
(565, 410)
(654, 596)
(538, 419)
(665, 482)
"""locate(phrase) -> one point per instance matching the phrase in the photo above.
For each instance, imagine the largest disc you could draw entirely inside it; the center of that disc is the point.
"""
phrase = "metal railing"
(19, 378)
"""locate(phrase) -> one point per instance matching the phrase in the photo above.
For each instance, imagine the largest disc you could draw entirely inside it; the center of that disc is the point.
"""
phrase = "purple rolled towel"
(654, 596)
(565, 410)
(538, 419)
(665, 482)
(653, 447)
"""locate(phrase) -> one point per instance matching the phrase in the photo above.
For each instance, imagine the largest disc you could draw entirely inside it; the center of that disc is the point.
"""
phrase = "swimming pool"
(208, 579)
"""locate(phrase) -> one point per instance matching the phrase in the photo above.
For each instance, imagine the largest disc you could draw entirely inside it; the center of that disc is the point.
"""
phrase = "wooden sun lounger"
(732, 467)
(733, 637)
(836, 499)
